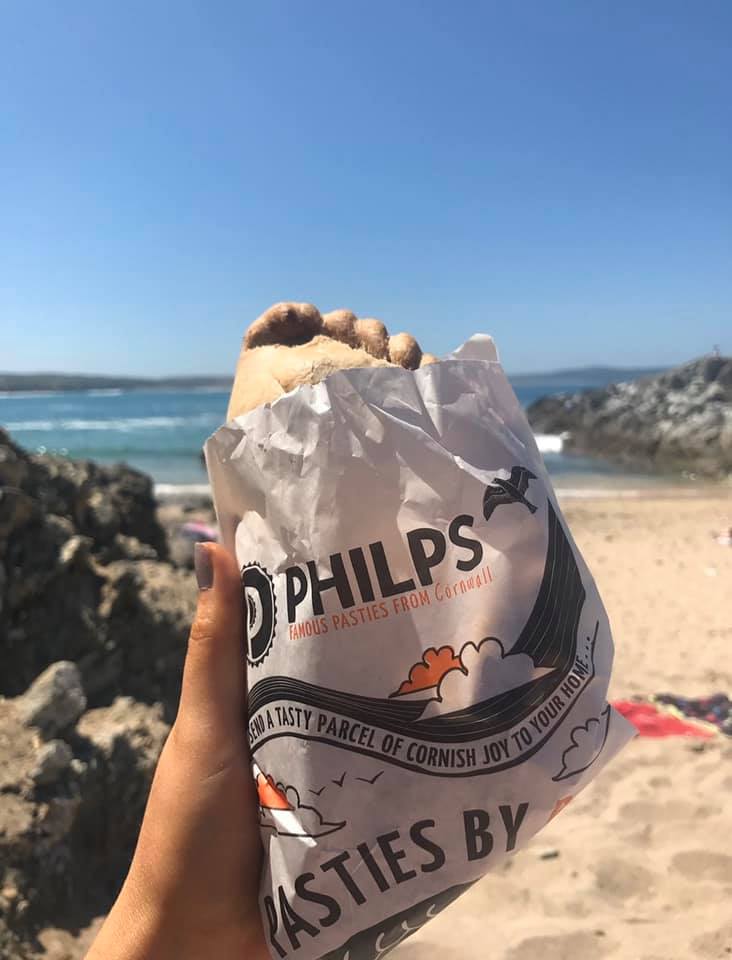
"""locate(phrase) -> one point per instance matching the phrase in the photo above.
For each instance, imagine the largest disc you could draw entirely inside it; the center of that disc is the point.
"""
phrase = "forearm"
(131, 931)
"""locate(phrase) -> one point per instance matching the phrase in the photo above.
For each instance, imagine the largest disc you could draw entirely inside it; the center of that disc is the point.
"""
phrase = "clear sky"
(558, 174)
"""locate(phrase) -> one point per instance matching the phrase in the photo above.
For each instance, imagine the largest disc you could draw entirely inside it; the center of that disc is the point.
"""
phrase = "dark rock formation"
(145, 613)
(70, 810)
(680, 420)
(92, 614)
(81, 579)
(101, 502)
(54, 701)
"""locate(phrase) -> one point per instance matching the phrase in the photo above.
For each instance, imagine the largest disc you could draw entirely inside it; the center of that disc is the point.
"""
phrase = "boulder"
(145, 615)
(678, 421)
(120, 745)
(54, 701)
(91, 615)
(36, 822)
(101, 501)
(81, 578)
(70, 810)
(52, 762)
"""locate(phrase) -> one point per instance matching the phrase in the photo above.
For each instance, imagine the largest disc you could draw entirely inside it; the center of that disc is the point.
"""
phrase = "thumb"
(213, 689)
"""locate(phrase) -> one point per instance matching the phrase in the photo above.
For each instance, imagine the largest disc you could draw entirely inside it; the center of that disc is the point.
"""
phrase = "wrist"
(139, 929)
(133, 930)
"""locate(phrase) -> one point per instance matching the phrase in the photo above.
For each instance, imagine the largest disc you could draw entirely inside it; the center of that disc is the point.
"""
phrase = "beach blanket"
(670, 715)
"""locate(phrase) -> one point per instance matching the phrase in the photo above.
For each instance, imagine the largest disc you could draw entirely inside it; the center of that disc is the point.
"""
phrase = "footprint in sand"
(418, 950)
(660, 782)
(704, 865)
(293, 343)
(646, 811)
(716, 945)
(562, 946)
(621, 880)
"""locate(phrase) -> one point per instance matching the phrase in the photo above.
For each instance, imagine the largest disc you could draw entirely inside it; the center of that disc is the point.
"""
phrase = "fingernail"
(203, 566)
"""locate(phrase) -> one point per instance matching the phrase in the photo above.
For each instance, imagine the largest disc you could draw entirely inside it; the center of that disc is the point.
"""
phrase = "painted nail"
(203, 566)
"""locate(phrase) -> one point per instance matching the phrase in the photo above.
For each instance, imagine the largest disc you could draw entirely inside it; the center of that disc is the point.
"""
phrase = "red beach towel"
(651, 721)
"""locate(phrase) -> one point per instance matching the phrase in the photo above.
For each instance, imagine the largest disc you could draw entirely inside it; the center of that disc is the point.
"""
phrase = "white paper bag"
(428, 656)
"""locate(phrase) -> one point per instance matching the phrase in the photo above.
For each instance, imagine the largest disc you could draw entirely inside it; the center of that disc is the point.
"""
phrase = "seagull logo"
(512, 490)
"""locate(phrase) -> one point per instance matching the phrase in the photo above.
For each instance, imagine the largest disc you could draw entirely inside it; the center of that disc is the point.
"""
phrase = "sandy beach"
(638, 867)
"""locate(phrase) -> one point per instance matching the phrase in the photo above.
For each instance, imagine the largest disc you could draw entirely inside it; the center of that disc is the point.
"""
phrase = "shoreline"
(722, 492)
(627, 851)
(172, 493)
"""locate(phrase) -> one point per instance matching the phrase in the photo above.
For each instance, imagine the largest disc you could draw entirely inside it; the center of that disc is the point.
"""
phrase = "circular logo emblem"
(260, 611)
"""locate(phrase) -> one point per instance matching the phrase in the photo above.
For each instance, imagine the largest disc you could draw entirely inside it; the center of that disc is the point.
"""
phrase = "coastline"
(171, 493)
(161, 432)
(720, 491)
(604, 878)
(601, 881)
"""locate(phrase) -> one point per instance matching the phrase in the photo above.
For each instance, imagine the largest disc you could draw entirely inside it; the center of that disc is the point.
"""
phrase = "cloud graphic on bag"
(487, 671)
(585, 745)
(427, 673)
(280, 810)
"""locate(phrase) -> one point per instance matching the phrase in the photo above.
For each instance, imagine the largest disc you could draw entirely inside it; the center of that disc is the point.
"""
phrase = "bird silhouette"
(372, 780)
(318, 792)
(340, 782)
(508, 491)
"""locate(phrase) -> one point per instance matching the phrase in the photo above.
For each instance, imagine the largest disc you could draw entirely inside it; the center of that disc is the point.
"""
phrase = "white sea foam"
(30, 425)
(549, 442)
(28, 394)
(175, 491)
(105, 392)
(123, 425)
(180, 491)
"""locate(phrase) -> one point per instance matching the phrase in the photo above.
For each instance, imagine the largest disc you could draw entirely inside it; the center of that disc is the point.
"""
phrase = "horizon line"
(156, 378)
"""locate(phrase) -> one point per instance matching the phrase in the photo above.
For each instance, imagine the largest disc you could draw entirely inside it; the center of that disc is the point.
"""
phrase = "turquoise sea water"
(162, 432)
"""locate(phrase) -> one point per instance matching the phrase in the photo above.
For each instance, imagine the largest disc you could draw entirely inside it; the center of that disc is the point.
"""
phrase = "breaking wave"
(176, 491)
(549, 442)
(123, 425)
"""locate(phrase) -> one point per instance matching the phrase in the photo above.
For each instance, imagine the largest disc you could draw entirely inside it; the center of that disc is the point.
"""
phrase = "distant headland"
(55, 382)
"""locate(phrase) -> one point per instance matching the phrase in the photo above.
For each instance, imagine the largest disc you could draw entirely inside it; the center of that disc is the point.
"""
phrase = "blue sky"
(558, 174)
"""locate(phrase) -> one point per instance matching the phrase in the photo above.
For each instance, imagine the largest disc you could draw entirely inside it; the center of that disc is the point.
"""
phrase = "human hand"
(191, 891)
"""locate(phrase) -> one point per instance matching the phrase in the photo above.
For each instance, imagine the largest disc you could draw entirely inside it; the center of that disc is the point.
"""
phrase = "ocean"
(162, 432)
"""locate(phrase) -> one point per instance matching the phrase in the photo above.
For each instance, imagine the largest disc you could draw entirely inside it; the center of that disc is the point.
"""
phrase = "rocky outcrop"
(54, 701)
(70, 806)
(100, 502)
(680, 420)
(93, 627)
(81, 579)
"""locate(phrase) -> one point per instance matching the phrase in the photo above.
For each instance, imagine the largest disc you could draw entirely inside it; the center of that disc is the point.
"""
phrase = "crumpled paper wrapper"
(428, 655)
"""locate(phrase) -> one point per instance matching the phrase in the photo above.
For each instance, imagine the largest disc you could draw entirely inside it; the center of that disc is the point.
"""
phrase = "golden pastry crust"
(405, 351)
(286, 323)
(292, 344)
(341, 325)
